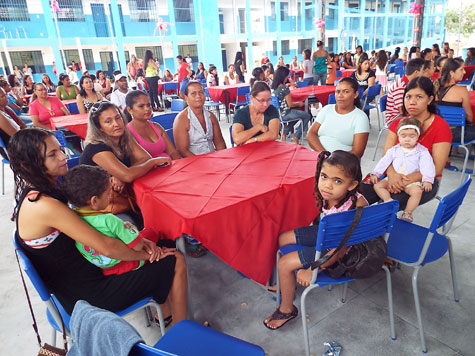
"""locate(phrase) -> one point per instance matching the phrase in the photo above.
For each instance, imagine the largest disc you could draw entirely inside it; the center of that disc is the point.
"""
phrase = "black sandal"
(278, 315)
(166, 321)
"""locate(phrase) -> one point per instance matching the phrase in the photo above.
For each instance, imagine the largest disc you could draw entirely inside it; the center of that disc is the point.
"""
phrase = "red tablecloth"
(160, 87)
(468, 71)
(75, 123)
(472, 100)
(346, 72)
(294, 72)
(235, 201)
(322, 92)
(217, 93)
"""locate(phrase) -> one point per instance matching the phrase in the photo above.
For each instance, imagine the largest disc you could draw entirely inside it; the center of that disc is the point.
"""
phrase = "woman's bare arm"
(312, 137)
(218, 139)
(359, 143)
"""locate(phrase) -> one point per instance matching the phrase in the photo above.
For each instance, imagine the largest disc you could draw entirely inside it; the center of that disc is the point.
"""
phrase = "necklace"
(424, 121)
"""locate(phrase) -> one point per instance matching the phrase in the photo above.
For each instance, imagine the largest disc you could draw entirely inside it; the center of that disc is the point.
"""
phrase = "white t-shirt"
(118, 98)
(308, 68)
(337, 131)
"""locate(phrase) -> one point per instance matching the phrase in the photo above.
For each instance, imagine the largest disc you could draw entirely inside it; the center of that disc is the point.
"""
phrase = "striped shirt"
(395, 99)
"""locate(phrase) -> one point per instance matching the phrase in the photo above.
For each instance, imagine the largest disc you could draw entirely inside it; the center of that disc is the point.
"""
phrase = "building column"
(249, 57)
(171, 16)
(119, 36)
(386, 22)
(362, 23)
(199, 30)
(341, 23)
(278, 19)
(52, 33)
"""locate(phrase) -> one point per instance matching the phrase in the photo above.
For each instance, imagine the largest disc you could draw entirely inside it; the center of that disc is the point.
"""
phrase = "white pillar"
(81, 56)
(7, 54)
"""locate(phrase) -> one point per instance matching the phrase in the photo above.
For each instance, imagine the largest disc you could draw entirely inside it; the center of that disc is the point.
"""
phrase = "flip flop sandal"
(278, 315)
(391, 265)
(195, 251)
(167, 321)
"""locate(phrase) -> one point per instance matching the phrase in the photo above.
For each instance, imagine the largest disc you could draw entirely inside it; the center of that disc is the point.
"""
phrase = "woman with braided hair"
(337, 178)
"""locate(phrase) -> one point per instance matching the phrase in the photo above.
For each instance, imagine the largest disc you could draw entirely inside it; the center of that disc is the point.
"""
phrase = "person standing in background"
(239, 66)
(320, 59)
(184, 73)
(55, 70)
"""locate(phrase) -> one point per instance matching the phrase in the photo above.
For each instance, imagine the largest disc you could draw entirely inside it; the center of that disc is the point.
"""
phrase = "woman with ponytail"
(337, 178)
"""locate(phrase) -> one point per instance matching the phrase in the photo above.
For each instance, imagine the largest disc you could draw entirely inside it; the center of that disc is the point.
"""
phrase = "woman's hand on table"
(117, 185)
(397, 182)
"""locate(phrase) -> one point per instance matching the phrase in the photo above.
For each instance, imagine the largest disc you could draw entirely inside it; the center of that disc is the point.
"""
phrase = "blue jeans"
(322, 77)
(295, 115)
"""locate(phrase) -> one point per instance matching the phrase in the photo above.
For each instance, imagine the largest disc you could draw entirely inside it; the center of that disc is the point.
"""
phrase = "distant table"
(160, 87)
(294, 72)
(75, 123)
(321, 92)
(468, 71)
(71, 105)
(472, 100)
(346, 72)
(225, 93)
(235, 201)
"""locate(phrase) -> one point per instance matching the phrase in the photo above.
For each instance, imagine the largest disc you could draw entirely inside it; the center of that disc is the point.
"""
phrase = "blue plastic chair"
(55, 311)
(213, 105)
(415, 245)
(64, 144)
(241, 91)
(173, 86)
(339, 74)
(165, 120)
(231, 135)
(4, 162)
(377, 220)
(302, 84)
(73, 108)
(177, 105)
(382, 108)
(455, 116)
(469, 82)
(275, 102)
(189, 338)
(170, 135)
(331, 99)
(73, 162)
(371, 95)
(399, 71)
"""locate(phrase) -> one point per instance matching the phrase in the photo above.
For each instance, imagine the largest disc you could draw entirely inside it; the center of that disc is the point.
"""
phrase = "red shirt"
(43, 113)
(182, 71)
(438, 131)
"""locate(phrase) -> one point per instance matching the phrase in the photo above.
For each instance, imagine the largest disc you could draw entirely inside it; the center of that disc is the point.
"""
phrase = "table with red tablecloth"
(468, 71)
(296, 72)
(235, 201)
(472, 100)
(160, 87)
(74, 123)
(225, 93)
(347, 72)
(321, 92)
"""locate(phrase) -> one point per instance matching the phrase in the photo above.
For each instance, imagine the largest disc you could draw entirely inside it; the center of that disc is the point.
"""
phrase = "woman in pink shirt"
(151, 136)
(43, 107)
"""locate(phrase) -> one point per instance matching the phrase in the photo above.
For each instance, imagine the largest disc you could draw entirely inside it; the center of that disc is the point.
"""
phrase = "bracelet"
(255, 139)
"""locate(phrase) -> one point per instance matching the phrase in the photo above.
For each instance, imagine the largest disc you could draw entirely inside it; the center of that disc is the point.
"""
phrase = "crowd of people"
(123, 144)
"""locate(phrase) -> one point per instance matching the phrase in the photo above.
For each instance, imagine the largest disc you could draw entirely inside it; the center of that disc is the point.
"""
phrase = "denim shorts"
(306, 236)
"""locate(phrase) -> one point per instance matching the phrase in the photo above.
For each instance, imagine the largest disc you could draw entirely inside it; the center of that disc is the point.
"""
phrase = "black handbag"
(46, 349)
(362, 260)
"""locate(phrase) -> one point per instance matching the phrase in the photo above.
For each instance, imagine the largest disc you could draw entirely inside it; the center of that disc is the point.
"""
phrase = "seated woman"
(87, 94)
(341, 126)
(196, 130)
(47, 230)
(288, 113)
(333, 66)
(448, 93)
(167, 76)
(348, 61)
(258, 121)
(150, 135)
(201, 73)
(230, 77)
(50, 86)
(363, 75)
(66, 90)
(43, 107)
(105, 83)
(257, 75)
(213, 79)
(435, 136)
(27, 86)
(8, 125)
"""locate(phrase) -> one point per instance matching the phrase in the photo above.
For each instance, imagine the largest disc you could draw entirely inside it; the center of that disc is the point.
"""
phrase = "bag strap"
(354, 224)
(35, 325)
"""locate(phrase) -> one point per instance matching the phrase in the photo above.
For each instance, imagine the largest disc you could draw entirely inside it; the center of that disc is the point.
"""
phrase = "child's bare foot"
(295, 139)
(279, 318)
(272, 289)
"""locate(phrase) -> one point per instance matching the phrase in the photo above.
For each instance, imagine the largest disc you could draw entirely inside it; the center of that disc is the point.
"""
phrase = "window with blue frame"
(70, 11)
(89, 59)
(242, 20)
(304, 44)
(284, 11)
(191, 50)
(34, 59)
(184, 11)
(143, 10)
(14, 10)
(285, 47)
(156, 50)
(273, 16)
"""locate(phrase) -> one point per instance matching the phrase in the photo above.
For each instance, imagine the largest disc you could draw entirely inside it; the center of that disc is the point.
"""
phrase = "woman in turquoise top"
(320, 59)
(151, 77)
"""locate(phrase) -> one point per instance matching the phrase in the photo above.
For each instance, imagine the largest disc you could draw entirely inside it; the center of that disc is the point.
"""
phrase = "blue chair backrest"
(399, 71)
(248, 98)
(361, 91)
(331, 99)
(207, 93)
(377, 220)
(177, 105)
(73, 162)
(382, 103)
(170, 135)
(61, 138)
(339, 74)
(170, 86)
(373, 92)
(141, 349)
(243, 90)
(302, 84)
(449, 205)
(399, 63)
(275, 102)
(454, 116)
(231, 135)
(165, 120)
(4, 154)
(391, 68)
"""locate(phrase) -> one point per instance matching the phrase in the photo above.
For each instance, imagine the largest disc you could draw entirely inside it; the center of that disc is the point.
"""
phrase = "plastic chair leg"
(303, 311)
(452, 270)
(377, 142)
(465, 161)
(390, 302)
(345, 289)
(418, 307)
(3, 179)
(277, 292)
(330, 287)
(53, 336)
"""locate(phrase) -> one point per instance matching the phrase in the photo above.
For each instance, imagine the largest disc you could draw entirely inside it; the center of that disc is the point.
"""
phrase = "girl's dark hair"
(451, 65)
(382, 59)
(27, 152)
(425, 84)
(259, 86)
(131, 100)
(238, 56)
(148, 56)
(34, 96)
(280, 76)
(47, 76)
(359, 47)
(307, 53)
(99, 71)
(216, 77)
(425, 51)
(61, 77)
(363, 57)
(256, 74)
(83, 182)
(354, 85)
(411, 51)
(345, 58)
(82, 91)
(139, 73)
(350, 164)
(197, 68)
(11, 79)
